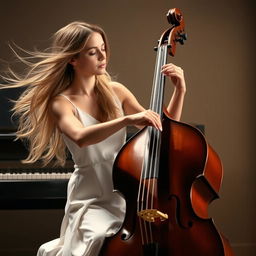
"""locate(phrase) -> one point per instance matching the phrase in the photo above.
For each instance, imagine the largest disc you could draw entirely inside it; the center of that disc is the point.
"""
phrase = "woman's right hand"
(145, 118)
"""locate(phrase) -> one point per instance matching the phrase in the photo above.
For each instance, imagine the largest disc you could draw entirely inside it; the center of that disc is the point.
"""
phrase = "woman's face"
(92, 59)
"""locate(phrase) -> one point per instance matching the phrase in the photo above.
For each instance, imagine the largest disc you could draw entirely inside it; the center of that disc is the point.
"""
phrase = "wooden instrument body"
(190, 178)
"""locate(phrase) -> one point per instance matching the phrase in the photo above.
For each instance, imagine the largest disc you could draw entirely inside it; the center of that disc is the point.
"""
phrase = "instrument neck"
(157, 95)
(152, 150)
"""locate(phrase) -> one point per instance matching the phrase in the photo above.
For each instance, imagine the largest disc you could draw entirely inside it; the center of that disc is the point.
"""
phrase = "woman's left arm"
(176, 75)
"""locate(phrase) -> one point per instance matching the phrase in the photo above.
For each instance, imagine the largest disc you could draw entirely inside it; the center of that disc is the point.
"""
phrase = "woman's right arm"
(69, 124)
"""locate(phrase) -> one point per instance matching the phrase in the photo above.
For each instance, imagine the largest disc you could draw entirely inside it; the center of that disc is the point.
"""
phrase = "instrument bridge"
(151, 215)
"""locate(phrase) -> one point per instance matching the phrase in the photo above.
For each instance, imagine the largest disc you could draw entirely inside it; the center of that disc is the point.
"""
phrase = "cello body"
(190, 178)
(168, 180)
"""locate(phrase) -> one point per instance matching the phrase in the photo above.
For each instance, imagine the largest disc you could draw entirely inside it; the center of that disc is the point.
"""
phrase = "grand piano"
(29, 186)
(24, 186)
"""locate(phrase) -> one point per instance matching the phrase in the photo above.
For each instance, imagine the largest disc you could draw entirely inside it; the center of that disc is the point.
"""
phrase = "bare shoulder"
(129, 101)
(120, 90)
(59, 106)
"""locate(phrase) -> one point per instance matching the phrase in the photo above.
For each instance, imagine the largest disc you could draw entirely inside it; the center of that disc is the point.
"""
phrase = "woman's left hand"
(176, 74)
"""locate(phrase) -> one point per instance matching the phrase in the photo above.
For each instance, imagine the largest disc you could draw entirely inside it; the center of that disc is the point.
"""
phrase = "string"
(150, 167)
(143, 177)
(157, 103)
(155, 136)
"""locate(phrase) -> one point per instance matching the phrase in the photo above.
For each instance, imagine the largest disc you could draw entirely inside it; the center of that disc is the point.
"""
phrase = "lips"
(102, 66)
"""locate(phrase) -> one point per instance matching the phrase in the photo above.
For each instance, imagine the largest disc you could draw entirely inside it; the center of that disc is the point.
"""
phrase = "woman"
(70, 100)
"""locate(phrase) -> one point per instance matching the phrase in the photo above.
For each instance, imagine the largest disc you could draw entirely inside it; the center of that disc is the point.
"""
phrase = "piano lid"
(7, 123)
(11, 149)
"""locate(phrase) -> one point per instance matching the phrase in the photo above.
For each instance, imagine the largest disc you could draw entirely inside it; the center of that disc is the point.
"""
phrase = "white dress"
(93, 210)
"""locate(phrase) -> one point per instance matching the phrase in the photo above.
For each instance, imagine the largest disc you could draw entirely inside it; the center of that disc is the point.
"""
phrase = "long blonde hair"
(50, 75)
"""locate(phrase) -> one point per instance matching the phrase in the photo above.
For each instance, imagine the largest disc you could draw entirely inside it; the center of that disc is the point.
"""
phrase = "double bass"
(168, 179)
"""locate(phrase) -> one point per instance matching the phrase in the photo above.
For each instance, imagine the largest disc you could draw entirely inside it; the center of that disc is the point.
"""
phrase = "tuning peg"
(184, 36)
(181, 37)
(180, 40)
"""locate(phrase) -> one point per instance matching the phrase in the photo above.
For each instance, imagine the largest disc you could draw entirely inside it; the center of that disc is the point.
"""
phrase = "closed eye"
(92, 53)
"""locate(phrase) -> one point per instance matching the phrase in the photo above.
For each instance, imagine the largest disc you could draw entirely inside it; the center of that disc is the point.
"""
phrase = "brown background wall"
(218, 60)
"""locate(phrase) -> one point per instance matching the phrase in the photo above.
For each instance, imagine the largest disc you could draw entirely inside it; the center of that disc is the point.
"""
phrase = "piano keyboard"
(35, 175)
(17, 171)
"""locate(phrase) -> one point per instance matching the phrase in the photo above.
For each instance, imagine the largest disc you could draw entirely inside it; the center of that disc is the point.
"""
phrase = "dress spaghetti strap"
(67, 98)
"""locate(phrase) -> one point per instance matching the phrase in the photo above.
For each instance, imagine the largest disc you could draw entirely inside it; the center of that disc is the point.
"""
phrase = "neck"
(83, 85)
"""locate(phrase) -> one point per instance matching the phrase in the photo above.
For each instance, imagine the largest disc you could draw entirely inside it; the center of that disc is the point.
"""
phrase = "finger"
(173, 73)
(173, 70)
(168, 68)
(155, 120)
(156, 125)
(171, 67)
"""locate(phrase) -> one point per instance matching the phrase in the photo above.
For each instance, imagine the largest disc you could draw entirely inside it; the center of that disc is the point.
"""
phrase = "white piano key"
(28, 175)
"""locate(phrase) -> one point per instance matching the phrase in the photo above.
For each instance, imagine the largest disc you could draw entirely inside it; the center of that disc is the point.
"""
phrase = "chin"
(101, 72)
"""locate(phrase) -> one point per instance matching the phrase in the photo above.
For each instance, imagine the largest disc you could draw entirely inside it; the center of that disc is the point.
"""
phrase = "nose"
(101, 55)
